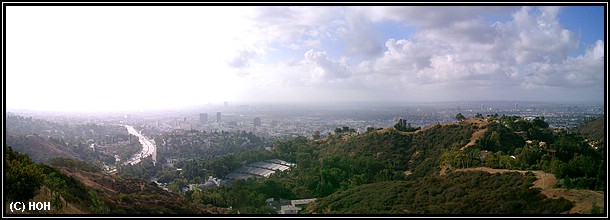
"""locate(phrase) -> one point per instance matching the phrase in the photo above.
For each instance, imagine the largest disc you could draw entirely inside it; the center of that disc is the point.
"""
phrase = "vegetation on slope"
(593, 129)
(90, 192)
(456, 193)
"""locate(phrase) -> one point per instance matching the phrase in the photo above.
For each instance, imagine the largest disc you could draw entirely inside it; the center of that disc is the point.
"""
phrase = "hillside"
(381, 171)
(73, 191)
(39, 149)
(457, 194)
(583, 200)
(352, 173)
(135, 196)
(594, 129)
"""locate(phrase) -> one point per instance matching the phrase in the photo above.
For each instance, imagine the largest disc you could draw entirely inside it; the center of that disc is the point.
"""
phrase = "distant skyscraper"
(218, 117)
(226, 104)
(482, 107)
(257, 121)
(203, 118)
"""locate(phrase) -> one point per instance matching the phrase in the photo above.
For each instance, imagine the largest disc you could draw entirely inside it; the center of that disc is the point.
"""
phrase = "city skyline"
(92, 58)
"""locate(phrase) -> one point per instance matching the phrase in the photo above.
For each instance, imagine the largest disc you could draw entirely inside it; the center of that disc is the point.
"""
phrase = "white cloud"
(530, 50)
(323, 68)
(216, 53)
(453, 49)
(586, 70)
(540, 37)
(432, 16)
(360, 35)
(295, 26)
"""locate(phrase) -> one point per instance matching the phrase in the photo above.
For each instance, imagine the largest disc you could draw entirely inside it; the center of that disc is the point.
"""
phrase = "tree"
(23, 177)
(401, 125)
(338, 131)
(478, 115)
(460, 117)
(540, 123)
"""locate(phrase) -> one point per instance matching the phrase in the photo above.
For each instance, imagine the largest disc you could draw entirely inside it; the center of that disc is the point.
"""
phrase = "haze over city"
(92, 58)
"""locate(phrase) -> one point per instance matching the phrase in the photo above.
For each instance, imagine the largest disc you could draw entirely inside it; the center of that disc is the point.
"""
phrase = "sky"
(96, 58)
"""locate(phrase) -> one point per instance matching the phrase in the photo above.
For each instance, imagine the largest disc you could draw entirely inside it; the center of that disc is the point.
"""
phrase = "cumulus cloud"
(432, 16)
(295, 27)
(530, 50)
(586, 70)
(360, 36)
(540, 37)
(451, 48)
(323, 68)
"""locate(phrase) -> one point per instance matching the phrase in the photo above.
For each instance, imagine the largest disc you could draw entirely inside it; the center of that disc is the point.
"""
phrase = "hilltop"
(386, 171)
(451, 168)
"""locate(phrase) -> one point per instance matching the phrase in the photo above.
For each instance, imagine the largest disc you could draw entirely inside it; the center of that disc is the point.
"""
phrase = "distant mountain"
(594, 129)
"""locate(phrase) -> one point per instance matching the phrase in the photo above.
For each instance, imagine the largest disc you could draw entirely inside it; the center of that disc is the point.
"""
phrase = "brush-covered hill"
(74, 191)
(39, 149)
(594, 129)
(459, 193)
(509, 142)
(387, 171)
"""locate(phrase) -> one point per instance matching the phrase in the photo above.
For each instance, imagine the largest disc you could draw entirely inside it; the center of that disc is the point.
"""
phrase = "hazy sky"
(134, 57)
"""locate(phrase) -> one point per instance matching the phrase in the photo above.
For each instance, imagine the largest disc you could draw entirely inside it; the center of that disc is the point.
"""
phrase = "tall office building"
(257, 121)
(218, 117)
(203, 118)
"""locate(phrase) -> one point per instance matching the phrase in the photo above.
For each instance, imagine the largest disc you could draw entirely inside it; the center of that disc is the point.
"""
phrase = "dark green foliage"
(97, 205)
(344, 129)
(217, 167)
(394, 172)
(194, 144)
(459, 117)
(457, 193)
(539, 122)
(402, 125)
(596, 210)
(247, 196)
(23, 177)
(461, 158)
(500, 138)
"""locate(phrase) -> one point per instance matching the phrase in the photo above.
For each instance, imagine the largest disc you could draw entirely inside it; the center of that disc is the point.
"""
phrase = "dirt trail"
(482, 125)
(583, 199)
(475, 136)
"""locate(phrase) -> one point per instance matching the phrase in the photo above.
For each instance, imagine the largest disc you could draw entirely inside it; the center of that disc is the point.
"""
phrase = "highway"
(148, 148)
